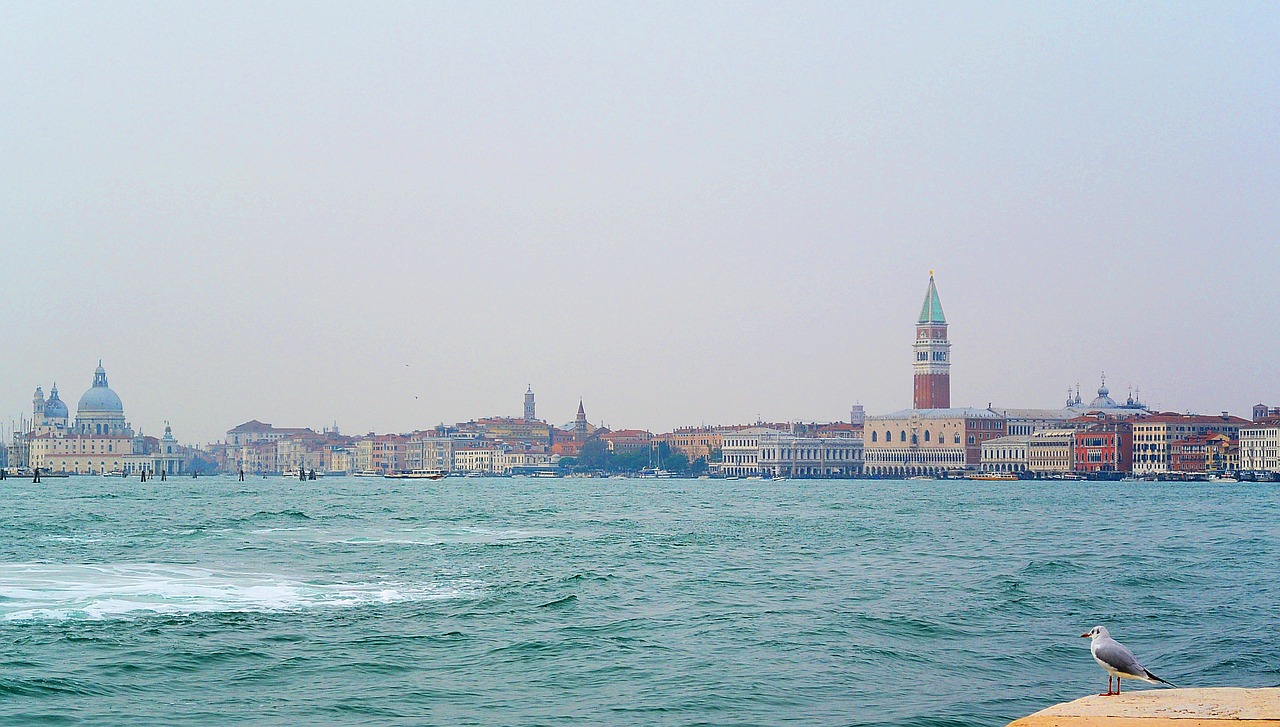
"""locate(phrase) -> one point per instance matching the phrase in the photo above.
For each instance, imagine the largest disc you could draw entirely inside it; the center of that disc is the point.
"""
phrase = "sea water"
(608, 601)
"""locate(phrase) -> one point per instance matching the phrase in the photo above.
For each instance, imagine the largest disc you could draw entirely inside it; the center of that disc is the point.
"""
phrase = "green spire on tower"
(931, 311)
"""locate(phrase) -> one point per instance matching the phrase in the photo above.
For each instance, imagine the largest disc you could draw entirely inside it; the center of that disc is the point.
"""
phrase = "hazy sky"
(392, 215)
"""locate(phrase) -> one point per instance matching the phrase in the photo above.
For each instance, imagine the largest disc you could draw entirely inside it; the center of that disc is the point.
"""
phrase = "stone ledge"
(1164, 708)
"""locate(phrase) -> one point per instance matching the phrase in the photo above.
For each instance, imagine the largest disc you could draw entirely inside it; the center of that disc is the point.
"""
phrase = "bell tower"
(528, 404)
(37, 407)
(933, 354)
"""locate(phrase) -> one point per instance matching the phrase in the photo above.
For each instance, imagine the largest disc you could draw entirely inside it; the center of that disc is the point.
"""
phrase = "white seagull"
(1116, 658)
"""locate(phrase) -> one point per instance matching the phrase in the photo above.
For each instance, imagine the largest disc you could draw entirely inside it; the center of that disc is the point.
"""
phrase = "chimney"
(1226, 416)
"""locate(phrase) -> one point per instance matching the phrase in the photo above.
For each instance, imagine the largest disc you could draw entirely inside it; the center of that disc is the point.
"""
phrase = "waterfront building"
(523, 461)
(1153, 435)
(932, 354)
(1005, 454)
(341, 460)
(430, 451)
(1260, 447)
(380, 453)
(787, 455)
(1051, 451)
(308, 451)
(61, 451)
(1193, 454)
(474, 457)
(1222, 454)
(1103, 443)
(928, 441)
(740, 451)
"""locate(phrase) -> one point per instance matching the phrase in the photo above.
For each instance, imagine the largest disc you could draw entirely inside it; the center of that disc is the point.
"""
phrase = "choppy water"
(366, 601)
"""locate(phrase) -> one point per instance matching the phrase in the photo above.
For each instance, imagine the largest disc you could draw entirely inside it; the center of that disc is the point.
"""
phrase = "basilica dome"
(100, 397)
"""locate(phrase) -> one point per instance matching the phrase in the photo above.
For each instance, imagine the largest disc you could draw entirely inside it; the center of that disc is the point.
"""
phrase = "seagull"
(1116, 658)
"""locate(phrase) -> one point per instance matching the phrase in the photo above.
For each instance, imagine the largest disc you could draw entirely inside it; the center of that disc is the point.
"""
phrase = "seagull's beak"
(1084, 636)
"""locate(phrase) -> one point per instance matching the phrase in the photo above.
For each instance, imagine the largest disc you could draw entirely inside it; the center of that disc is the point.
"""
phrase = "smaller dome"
(55, 408)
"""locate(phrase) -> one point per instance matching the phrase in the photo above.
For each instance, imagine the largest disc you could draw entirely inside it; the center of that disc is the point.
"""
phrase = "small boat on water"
(434, 474)
(993, 477)
(653, 473)
(366, 473)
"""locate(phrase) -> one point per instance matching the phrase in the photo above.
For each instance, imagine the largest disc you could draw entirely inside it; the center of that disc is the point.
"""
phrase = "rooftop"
(963, 412)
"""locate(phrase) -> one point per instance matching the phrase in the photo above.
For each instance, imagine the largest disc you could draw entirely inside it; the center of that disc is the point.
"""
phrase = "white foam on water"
(444, 535)
(56, 592)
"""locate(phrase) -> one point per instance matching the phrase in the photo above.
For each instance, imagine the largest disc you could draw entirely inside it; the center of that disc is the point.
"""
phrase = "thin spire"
(931, 311)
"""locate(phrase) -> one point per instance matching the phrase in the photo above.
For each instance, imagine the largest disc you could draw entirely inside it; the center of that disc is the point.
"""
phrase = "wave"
(560, 602)
(42, 591)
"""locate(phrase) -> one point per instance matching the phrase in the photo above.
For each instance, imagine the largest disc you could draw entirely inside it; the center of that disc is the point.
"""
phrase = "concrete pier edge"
(1205, 707)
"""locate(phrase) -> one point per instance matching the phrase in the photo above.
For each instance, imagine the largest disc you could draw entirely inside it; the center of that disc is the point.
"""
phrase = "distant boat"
(366, 473)
(653, 473)
(434, 474)
(993, 476)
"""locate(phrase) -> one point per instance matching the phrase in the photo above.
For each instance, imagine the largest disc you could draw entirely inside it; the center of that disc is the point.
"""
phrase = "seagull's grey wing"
(1118, 657)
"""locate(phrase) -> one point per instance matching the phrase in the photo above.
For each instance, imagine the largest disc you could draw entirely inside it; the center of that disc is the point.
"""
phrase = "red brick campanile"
(933, 354)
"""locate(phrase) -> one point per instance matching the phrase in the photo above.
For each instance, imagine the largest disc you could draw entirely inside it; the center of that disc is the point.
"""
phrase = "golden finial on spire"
(931, 272)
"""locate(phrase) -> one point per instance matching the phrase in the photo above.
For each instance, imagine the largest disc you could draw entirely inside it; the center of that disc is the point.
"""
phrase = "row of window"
(902, 437)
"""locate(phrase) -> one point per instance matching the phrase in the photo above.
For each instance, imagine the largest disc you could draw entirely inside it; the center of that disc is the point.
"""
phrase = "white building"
(786, 455)
(1005, 454)
(473, 459)
(1051, 451)
(1260, 448)
(740, 452)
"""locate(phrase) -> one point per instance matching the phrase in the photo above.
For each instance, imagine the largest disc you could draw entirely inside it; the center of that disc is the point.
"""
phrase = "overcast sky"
(393, 215)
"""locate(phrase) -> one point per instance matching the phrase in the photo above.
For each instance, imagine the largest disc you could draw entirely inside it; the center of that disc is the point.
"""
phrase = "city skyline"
(676, 213)
(931, 367)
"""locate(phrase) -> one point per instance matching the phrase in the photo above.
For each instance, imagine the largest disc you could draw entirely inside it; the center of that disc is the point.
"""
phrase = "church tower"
(528, 404)
(933, 354)
(580, 423)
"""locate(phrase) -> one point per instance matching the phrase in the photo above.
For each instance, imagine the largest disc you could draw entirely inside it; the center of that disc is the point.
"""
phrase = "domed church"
(100, 441)
(100, 411)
